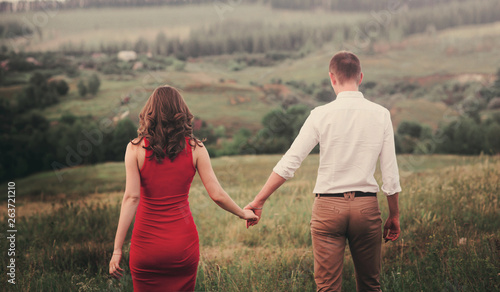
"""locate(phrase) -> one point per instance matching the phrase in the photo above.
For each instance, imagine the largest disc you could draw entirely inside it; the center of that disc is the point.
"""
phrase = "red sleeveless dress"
(164, 250)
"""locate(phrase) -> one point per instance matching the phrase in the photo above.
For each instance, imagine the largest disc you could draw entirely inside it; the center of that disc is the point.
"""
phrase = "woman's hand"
(257, 211)
(114, 266)
(249, 215)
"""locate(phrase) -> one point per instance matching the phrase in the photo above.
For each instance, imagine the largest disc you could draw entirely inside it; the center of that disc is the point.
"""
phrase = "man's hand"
(257, 212)
(392, 229)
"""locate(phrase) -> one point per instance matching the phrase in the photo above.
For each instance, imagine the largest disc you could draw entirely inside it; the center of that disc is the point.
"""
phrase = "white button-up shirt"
(353, 133)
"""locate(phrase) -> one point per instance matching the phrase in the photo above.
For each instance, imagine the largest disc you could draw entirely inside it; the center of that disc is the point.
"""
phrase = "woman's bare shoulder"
(135, 145)
(199, 142)
(196, 144)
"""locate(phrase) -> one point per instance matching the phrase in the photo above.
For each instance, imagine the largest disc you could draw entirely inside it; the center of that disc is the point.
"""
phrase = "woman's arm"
(213, 187)
(129, 207)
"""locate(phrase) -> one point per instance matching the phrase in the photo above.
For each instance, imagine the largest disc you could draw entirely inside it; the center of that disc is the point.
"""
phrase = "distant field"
(449, 218)
(95, 25)
(453, 52)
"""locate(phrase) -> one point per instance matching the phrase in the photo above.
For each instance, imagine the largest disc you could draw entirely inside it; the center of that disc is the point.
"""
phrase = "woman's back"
(168, 181)
(164, 250)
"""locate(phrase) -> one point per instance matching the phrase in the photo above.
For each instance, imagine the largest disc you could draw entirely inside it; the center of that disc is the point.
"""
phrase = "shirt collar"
(350, 94)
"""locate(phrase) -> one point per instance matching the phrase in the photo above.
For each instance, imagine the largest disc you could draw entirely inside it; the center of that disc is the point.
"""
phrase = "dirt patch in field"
(234, 100)
(276, 88)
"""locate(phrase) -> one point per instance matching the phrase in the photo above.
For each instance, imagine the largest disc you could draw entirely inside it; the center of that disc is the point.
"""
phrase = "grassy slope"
(449, 221)
(421, 110)
(455, 51)
(109, 177)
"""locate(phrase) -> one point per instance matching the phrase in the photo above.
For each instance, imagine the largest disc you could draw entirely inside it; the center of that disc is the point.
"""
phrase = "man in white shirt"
(353, 133)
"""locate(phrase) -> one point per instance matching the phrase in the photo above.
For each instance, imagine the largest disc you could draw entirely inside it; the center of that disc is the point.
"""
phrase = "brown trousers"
(335, 219)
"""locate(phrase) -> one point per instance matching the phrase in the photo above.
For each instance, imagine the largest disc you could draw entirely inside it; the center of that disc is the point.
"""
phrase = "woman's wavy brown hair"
(165, 121)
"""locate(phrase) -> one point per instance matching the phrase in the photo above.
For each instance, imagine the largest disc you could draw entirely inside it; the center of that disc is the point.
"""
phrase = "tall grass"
(449, 217)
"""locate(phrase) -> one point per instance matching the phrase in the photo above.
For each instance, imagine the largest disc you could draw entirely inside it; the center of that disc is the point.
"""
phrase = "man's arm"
(302, 145)
(390, 179)
(388, 162)
(273, 183)
(305, 141)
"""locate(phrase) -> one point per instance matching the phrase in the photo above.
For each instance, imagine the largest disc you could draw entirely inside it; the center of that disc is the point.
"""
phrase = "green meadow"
(449, 219)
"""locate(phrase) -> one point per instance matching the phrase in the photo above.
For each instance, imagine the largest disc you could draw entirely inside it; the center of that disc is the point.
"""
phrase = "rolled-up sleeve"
(302, 145)
(388, 162)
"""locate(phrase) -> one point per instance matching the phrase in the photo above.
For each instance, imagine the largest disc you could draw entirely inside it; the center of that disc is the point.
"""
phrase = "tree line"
(256, 37)
(31, 143)
(462, 135)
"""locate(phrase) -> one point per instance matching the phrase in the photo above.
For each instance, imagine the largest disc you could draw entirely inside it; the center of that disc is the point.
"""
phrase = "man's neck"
(347, 87)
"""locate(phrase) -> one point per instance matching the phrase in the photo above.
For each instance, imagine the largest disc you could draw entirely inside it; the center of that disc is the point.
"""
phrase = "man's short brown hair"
(345, 66)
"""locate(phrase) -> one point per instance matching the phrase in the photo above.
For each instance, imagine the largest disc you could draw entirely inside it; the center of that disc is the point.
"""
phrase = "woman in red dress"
(160, 165)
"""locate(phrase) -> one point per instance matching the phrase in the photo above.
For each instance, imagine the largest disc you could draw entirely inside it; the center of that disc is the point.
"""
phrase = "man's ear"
(332, 78)
(360, 78)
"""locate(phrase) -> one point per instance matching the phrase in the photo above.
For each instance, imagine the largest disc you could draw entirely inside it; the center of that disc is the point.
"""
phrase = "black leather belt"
(358, 194)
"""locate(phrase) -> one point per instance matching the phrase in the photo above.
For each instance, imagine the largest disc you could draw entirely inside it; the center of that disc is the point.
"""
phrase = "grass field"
(449, 218)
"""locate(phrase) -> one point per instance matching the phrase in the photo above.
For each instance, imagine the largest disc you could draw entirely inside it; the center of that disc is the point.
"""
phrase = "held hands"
(391, 229)
(248, 215)
(257, 210)
(114, 266)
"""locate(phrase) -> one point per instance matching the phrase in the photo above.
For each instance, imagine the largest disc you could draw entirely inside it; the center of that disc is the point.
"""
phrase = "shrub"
(412, 129)
(61, 87)
(324, 95)
(94, 84)
(82, 88)
(179, 65)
